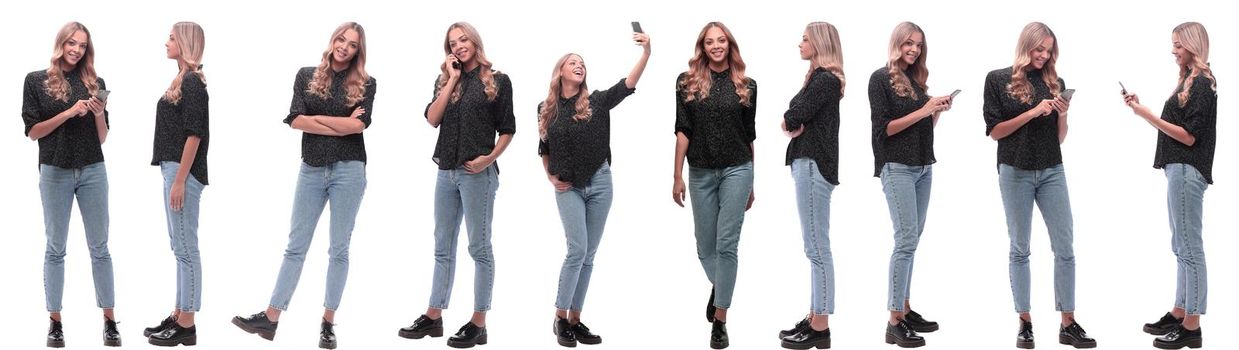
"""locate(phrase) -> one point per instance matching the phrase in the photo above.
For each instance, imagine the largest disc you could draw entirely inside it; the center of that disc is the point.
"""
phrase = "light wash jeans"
(183, 231)
(341, 184)
(907, 196)
(469, 197)
(58, 187)
(1185, 199)
(1048, 189)
(718, 197)
(583, 210)
(813, 200)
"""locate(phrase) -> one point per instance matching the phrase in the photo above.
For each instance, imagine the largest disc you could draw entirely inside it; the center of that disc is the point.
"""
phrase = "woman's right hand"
(1131, 99)
(677, 192)
(80, 108)
(1045, 107)
(452, 72)
(560, 186)
(935, 105)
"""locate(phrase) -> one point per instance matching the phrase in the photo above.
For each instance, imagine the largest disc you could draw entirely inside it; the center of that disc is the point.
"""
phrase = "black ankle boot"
(175, 335)
(258, 324)
(563, 332)
(327, 335)
(795, 329)
(1024, 339)
(718, 335)
(55, 334)
(1179, 337)
(111, 336)
(901, 334)
(584, 336)
(918, 323)
(422, 327)
(468, 336)
(807, 338)
(1075, 336)
(159, 328)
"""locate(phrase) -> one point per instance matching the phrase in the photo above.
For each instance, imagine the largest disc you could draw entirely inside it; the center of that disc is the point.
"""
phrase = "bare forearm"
(101, 127)
(637, 70)
(311, 124)
(501, 146)
(903, 123)
(1004, 129)
(187, 158)
(434, 115)
(344, 126)
(46, 127)
(681, 150)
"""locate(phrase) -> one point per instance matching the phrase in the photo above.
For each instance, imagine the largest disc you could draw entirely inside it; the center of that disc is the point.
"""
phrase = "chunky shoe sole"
(326, 345)
(187, 341)
(1078, 345)
(55, 343)
(433, 333)
(566, 343)
(1156, 331)
(890, 339)
(719, 345)
(1194, 344)
(112, 343)
(265, 334)
(1025, 344)
(822, 344)
(589, 341)
(466, 344)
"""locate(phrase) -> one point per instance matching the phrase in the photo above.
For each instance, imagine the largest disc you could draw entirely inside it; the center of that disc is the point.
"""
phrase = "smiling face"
(75, 48)
(573, 71)
(173, 48)
(461, 45)
(345, 46)
(1041, 54)
(715, 45)
(806, 47)
(1182, 56)
(911, 48)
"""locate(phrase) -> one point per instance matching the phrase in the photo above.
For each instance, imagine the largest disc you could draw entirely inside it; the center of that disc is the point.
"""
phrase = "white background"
(648, 288)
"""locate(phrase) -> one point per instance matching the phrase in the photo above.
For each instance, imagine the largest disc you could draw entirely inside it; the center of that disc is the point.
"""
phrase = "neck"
(338, 66)
(65, 67)
(568, 90)
(719, 66)
(470, 66)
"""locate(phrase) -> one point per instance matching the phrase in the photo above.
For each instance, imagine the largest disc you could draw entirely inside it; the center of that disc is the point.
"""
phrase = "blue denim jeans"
(718, 197)
(907, 196)
(183, 231)
(1048, 189)
(58, 187)
(583, 209)
(341, 184)
(1185, 197)
(471, 197)
(813, 200)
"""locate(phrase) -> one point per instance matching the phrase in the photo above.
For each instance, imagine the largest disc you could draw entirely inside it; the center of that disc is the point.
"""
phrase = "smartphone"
(636, 27)
(955, 93)
(455, 64)
(103, 95)
(1124, 88)
(1067, 94)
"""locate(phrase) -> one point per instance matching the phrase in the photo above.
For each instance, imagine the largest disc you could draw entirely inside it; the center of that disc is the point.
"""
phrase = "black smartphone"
(636, 27)
(1124, 91)
(1067, 94)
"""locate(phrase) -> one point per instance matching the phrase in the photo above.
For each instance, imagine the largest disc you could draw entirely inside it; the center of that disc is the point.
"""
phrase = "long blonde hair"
(1193, 37)
(355, 84)
(550, 106)
(56, 85)
(1033, 34)
(901, 82)
(697, 82)
(487, 75)
(189, 38)
(827, 51)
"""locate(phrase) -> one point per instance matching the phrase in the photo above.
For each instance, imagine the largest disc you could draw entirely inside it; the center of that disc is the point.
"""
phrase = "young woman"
(181, 139)
(812, 122)
(1027, 114)
(472, 103)
(63, 110)
(715, 112)
(331, 106)
(1186, 139)
(574, 128)
(904, 116)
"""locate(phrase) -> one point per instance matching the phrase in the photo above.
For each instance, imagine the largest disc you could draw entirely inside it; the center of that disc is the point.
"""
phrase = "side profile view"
(1186, 139)
(331, 107)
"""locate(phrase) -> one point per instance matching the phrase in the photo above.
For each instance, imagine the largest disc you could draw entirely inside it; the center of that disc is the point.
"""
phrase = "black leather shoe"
(1166, 324)
(795, 329)
(327, 336)
(902, 334)
(1179, 337)
(111, 336)
(583, 335)
(422, 327)
(468, 336)
(710, 307)
(919, 323)
(156, 329)
(1075, 336)
(257, 324)
(175, 335)
(718, 335)
(808, 338)
(563, 332)
(1024, 340)
(55, 334)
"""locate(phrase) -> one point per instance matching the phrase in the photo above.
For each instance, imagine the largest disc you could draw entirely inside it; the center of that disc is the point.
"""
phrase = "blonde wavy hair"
(827, 51)
(1193, 37)
(550, 106)
(355, 84)
(901, 82)
(56, 85)
(1030, 38)
(697, 82)
(189, 38)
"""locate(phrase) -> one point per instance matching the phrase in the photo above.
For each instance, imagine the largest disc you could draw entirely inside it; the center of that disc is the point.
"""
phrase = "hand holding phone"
(636, 27)
(1124, 91)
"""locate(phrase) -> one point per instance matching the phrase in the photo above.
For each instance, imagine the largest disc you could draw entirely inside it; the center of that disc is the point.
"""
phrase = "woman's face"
(573, 71)
(716, 45)
(1041, 54)
(806, 48)
(462, 45)
(911, 48)
(1182, 57)
(74, 48)
(345, 46)
(174, 48)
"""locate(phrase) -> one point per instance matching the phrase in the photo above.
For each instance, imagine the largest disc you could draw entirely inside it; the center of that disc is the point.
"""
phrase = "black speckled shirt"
(1035, 145)
(1199, 118)
(578, 148)
(816, 107)
(913, 146)
(174, 123)
(75, 143)
(322, 150)
(469, 125)
(719, 128)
